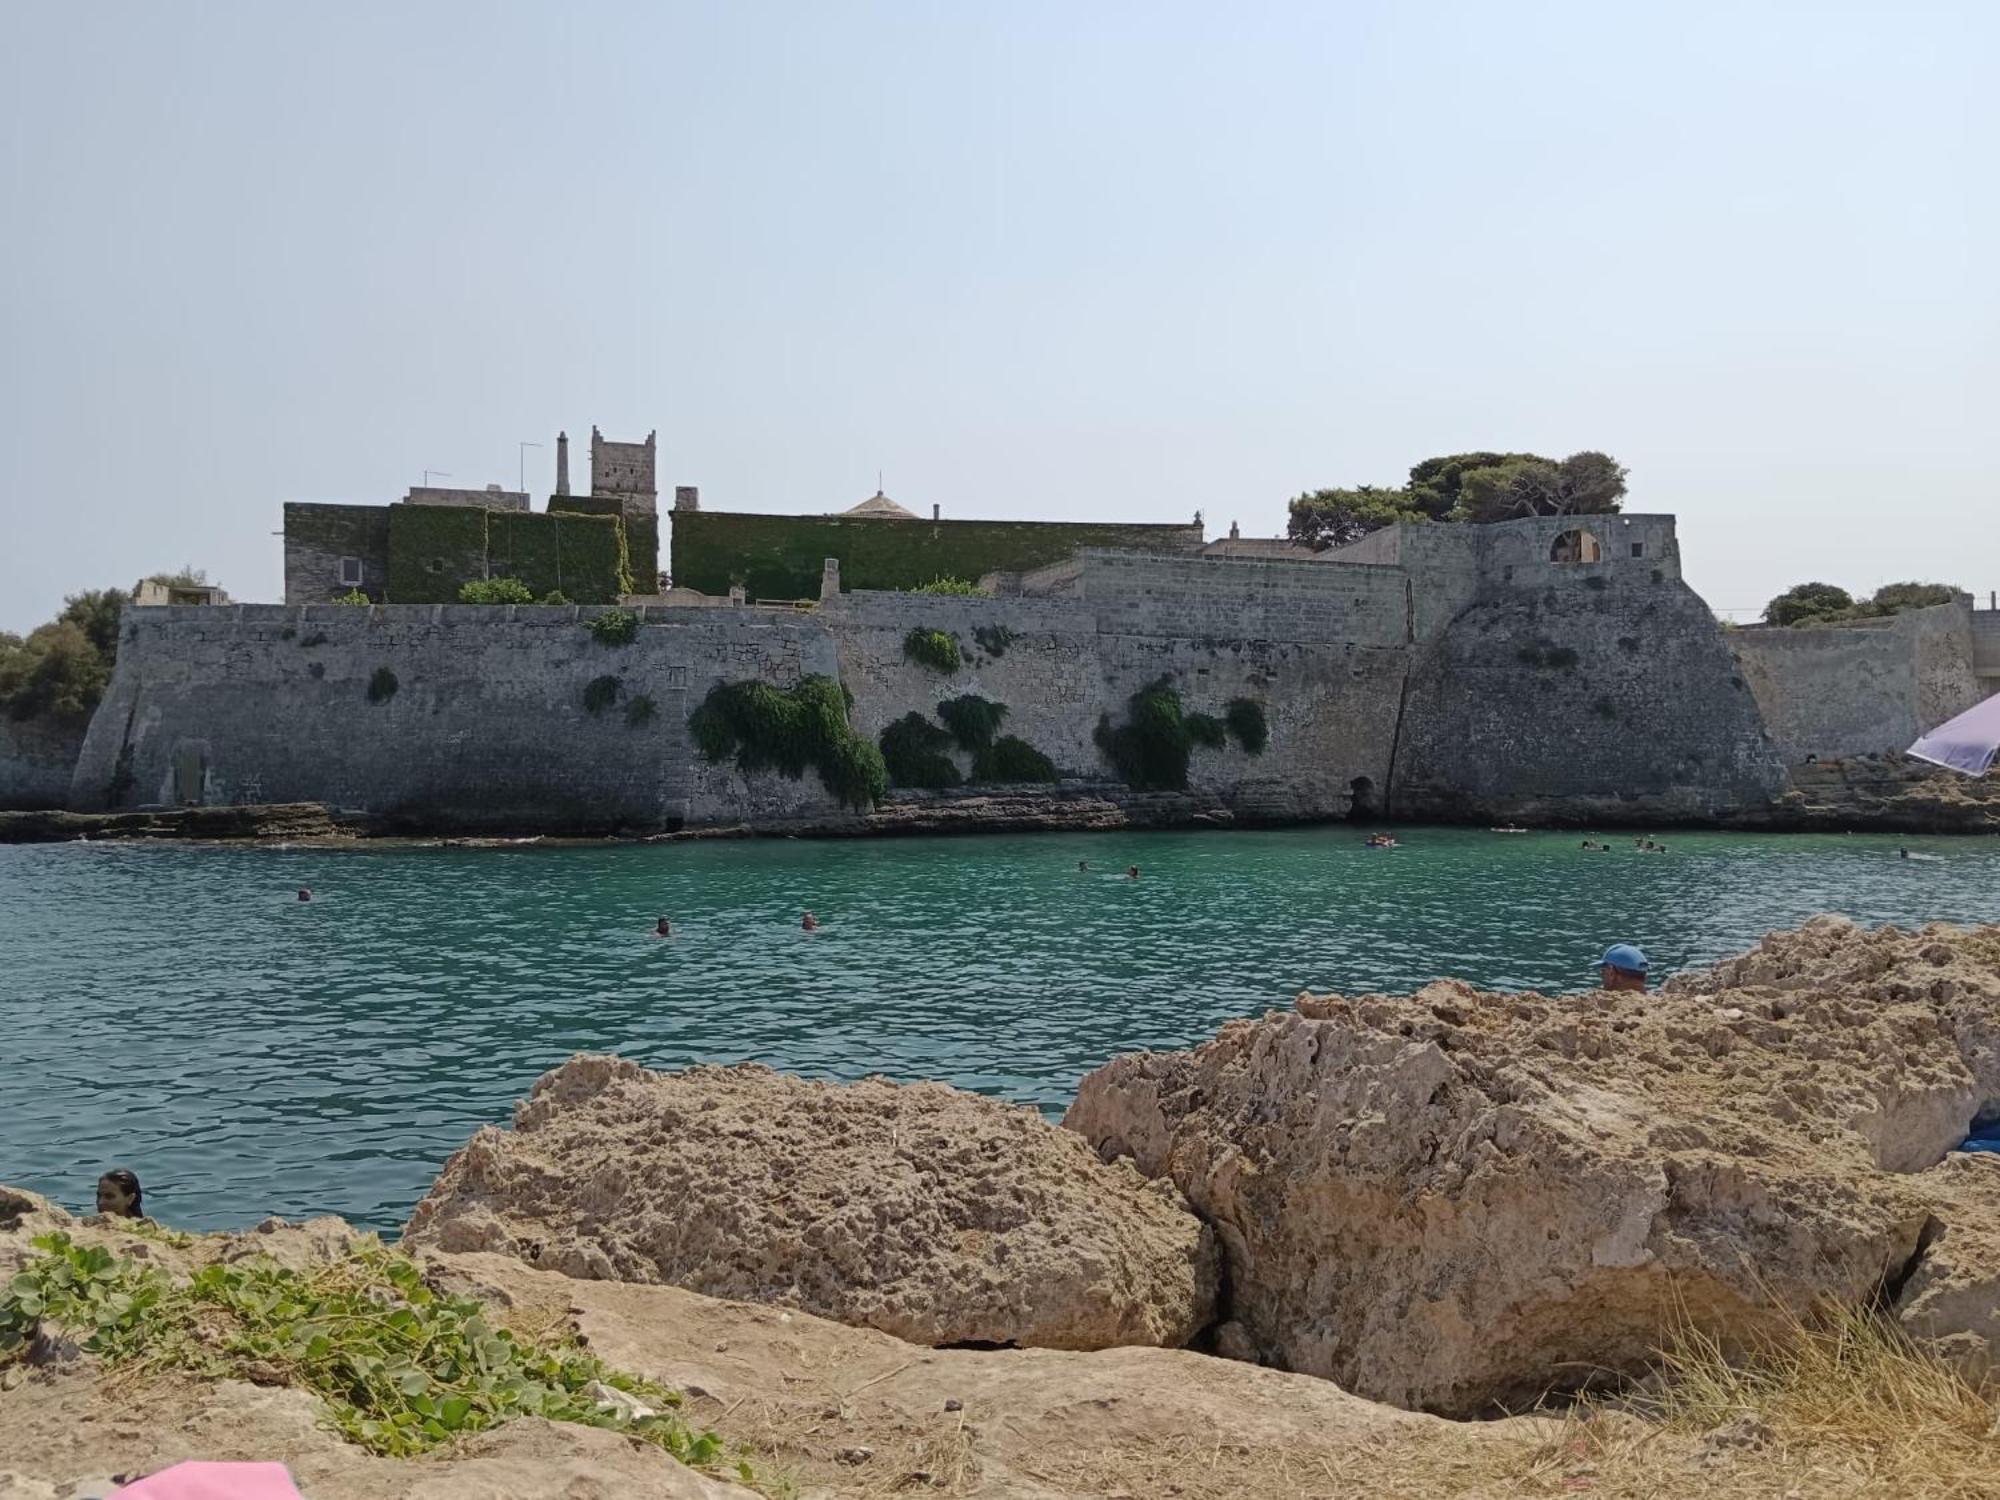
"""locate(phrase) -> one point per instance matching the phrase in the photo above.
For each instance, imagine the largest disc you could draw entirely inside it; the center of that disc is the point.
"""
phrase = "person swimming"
(1083, 864)
(305, 894)
(119, 1195)
(1131, 872)
(809, 923)
(663, 928)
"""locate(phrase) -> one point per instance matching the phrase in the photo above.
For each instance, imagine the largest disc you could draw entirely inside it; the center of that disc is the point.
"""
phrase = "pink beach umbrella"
(206, 1481)
(1967, 743)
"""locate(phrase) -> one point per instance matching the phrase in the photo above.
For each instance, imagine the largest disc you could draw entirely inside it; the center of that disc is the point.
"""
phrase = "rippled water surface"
(177, 1010)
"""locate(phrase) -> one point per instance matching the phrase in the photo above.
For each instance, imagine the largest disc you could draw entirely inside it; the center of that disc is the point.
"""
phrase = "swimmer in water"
(1131, 872)
(304, 894)
(118, 1195)
(663, 928)
(809, 923)
(1083, 864)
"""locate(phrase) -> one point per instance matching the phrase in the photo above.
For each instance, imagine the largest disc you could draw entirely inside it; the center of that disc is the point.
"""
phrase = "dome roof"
(880, 507)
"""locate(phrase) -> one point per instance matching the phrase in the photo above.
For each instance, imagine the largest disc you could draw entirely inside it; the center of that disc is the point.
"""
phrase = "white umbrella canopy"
(1967, 743)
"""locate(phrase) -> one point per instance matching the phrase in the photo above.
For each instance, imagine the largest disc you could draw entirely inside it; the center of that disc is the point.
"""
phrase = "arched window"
(1576, 547)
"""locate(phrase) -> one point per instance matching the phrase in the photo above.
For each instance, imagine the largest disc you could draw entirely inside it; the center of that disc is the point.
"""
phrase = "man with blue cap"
(1623, 967)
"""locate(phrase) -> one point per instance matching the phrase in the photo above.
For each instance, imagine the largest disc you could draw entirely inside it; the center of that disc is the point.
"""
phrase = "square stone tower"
(626, 471)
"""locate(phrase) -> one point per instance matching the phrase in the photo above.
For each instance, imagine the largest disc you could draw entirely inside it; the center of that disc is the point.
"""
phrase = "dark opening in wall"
(1576, 547)
(1361, 799)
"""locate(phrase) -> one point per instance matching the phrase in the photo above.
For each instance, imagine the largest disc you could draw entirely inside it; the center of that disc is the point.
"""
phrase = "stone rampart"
(36, 758)
(1060, 666)
(1246, 599)
(1827, 691)
(1480, 674)
(452, 715)
(1587, 698)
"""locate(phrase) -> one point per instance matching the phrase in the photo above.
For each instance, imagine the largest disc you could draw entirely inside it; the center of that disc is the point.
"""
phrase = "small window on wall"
(1638, 549)
(350, 572)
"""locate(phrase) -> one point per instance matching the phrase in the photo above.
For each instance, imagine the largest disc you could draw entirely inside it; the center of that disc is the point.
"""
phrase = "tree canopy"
(60, 670)
(1829, 604)
(1475, 487)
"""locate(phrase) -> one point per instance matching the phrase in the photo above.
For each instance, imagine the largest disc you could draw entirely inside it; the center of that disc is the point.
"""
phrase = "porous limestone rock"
(938, 1216)
(1458, 1201)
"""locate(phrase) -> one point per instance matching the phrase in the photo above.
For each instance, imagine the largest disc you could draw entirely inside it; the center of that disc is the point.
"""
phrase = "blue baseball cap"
(1624, 956)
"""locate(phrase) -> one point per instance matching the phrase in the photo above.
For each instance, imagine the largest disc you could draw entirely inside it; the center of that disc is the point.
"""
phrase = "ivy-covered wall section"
(782, 557)
(435, 549)
(642, 536)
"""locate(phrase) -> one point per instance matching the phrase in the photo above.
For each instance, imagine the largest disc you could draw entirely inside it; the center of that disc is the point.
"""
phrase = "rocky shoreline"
(1308, 1253)
(1866, 794)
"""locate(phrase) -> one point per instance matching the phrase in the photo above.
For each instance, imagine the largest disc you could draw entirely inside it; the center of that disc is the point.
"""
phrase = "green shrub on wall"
(640, 711)
(1206, 730)
(600, 693)
(382, 685)
(780, 557)
(615, 627)
(1010, 758)
(352, 596)
(768, 729)
(950, 586)
(495, 591)
(1150, 750)
(1245, 718)
(555, 597)
(936, 649)
(972, 720)
(913, 752)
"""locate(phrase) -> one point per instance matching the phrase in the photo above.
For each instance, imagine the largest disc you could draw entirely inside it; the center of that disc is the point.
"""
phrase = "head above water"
(118, 1194)
(663, 928)
(809, 922)
(304, 894)
(1623, 967)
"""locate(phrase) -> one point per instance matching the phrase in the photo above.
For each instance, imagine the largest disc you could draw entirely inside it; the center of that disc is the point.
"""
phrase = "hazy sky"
(1068, 260)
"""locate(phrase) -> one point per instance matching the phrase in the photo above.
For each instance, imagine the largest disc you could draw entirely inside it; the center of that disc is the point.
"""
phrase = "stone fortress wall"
(1864, 688)
(1444, 671)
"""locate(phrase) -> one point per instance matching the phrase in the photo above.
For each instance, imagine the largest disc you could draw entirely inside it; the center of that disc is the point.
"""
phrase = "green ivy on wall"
(914, 753)
(766, 728)
(1151, 749)
(781, 557)
(435, 550)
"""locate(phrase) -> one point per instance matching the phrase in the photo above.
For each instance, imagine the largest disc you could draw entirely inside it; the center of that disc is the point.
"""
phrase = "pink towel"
(205, 1481)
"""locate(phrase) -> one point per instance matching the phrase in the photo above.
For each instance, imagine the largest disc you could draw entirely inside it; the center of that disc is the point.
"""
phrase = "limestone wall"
(486, 726)
(1246, 599)
(1582, 699)
(1830, 691)
(1061, 666)
(36, 757)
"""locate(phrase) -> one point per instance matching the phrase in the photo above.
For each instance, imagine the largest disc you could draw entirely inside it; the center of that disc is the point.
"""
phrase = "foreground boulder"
(1459, 1201)
(938, 1216)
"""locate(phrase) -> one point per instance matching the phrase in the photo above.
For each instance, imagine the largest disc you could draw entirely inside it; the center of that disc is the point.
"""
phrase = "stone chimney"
(562, 463)
(1234, 533)
(937, 511)
(829, 579)
(687, 497)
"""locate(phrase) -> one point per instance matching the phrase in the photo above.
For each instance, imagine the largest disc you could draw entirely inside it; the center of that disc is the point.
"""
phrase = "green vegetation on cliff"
(1245, 718)
(766, 728)
(400, 1368)
(972, 720)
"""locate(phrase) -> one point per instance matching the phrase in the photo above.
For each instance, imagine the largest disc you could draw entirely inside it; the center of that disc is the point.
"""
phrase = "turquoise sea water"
(178, 1011)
